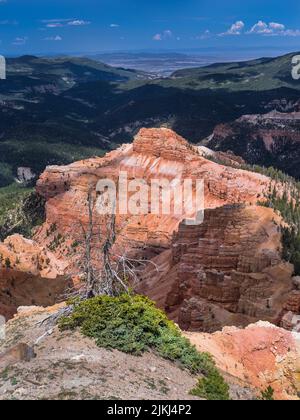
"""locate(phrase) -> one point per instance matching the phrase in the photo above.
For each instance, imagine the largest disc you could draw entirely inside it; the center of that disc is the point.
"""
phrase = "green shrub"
(133, 324)
(10, 198)
(268, 394)
(7, 263)
(211, 387)
(21, 209)
(6, 175)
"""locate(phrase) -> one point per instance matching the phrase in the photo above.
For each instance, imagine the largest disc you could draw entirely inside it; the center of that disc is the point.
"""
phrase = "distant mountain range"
(160, 64)
(56, 110)
(261, 74)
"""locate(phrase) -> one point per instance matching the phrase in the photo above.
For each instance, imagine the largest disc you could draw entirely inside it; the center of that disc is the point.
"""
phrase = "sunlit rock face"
(260, 355)
(154, 154)
(227, 271)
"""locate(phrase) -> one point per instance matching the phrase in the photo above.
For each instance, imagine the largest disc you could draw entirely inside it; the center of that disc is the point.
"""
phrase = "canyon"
(267, 139)
(226, 272)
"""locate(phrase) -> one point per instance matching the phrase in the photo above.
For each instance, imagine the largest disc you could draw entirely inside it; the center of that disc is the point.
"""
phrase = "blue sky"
(42, 26)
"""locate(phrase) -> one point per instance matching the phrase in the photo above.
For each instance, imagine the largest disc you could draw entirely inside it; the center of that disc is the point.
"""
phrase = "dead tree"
(111, 273)
(87, 234)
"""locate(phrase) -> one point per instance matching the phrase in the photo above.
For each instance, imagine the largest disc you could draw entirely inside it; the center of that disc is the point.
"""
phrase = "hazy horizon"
(35, 27)
(165, 62)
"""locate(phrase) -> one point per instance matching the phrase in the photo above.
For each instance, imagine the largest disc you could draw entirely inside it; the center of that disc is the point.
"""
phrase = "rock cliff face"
(154, 154)
(26, 214)
(227, 271)
(271, 140)
(25, 255)
(29, 275)
(260, 356)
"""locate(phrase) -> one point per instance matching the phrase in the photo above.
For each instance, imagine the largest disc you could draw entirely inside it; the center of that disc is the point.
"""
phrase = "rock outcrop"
(227, 271)
(29, 275)
(28, 212)
(271, 140)
(291, 319)
(26, 255)
(19, 353)
(154, 154)
(260, 356)
(230, 264)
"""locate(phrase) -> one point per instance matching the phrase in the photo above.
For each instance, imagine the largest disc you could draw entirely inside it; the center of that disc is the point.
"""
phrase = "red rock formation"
(155, 153)
(259, 356)
(227, 271)
(291, 318)
(230, 266)
(25, 255)
(29, 275)
(228, 159)
(22, 289)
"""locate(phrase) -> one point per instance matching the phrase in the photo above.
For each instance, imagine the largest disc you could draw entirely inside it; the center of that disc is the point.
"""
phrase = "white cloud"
(157, 37)
(272, 29)
(205, 35)
(261, 27)
(54, 25)
(235, 29)
(20, 40)
(291, 32)
(114, 25)
(167, 34)
(53, 38)
(277, 26)
(56, 20)
(78, 22)
(59, 23)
